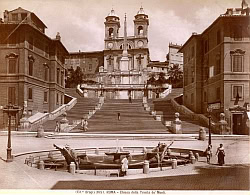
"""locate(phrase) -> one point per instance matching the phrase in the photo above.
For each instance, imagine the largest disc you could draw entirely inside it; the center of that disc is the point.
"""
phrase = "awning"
(248, 114)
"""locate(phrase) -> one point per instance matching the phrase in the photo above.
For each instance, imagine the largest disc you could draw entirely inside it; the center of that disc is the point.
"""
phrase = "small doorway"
(237, 123)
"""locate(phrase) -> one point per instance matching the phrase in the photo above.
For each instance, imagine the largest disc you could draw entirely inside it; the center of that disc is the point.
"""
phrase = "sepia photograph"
(144, 97)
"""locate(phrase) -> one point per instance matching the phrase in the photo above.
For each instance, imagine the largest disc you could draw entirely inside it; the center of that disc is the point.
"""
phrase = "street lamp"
(209, 110)
(11, 110)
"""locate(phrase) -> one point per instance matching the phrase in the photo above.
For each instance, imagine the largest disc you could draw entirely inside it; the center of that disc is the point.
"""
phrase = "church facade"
(125, 58)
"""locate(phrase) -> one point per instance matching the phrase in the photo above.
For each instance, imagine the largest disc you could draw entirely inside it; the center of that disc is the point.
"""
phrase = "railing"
(37, 119)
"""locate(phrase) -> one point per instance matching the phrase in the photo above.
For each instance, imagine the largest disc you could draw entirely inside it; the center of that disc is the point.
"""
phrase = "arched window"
(111, 32)
(140, 30)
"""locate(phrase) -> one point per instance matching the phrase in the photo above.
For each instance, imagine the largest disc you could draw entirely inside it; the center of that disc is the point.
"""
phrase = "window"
(14, 17)
(140, 30)
(90, 67)
(46, 53)
(46, 73)
(57, 75)
(218, 37)
(237, 63)
(211, 71)
(11, 95)
(111, 32)
(218, 68)
(23, 16)
(30, 94)
(57, 98)
(61, 99)
(45, 99)
(12, 66)
(218, 93)
(237, 90)
(62, 78)
(31, 67)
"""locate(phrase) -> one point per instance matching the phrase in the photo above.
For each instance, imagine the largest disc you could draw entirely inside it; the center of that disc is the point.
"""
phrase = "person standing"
(84, 124)
(221, 155)
(208, 153)
(58, 128)
(119, 116)
(124, 166)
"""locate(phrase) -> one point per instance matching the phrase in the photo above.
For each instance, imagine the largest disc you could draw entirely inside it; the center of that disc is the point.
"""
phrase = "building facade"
(174, 57)
(31, 65)
(89, 62)
(217, 71)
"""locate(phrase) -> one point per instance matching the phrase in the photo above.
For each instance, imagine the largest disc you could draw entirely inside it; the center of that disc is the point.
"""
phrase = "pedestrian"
(208, 153)
(119, 116)
(58, 128)
(84, 124)
(130, 99)
(124, 166)
(221, 155)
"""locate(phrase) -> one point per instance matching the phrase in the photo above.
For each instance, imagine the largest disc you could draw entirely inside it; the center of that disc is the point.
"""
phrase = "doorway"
(237, 124)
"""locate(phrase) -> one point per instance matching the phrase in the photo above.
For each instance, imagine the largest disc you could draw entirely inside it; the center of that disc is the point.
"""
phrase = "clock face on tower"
(140, 43)
(110, 45)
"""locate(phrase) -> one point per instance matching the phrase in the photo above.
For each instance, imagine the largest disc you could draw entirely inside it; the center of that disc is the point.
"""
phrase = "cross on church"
(109, 60)
(139, 58)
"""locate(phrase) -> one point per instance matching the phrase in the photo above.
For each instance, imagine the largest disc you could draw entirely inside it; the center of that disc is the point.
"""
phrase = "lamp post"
(11, 110)
(209, 110)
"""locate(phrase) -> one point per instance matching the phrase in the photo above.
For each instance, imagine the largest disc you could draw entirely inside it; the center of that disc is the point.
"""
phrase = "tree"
(175, 74)
(73, 77)
(151, 80)
(161, 80)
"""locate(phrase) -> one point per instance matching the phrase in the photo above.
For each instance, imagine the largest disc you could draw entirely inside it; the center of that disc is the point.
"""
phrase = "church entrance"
(237, 123)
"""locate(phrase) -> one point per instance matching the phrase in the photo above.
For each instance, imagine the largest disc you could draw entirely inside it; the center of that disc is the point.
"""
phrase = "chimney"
(58, 37)
(194, 33)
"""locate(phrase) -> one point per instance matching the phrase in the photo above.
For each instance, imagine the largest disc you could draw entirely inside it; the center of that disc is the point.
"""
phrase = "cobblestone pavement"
(17, 175)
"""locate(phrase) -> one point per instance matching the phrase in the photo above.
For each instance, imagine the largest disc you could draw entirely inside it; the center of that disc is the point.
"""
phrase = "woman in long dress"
(221, 155)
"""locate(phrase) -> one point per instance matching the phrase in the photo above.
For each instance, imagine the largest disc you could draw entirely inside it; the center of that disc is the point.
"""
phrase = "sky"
(81, 22)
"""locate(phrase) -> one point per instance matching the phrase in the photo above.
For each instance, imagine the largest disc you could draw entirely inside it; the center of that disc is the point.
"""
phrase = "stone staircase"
(134, 119)
(163, 107)
(81, 109)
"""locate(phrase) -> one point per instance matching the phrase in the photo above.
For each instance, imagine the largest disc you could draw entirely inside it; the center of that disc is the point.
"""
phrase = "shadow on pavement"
(228, 177)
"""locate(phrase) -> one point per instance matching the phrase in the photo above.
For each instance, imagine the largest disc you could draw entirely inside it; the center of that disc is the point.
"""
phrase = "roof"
(112, 13)
(190, 38)
(141, 11)
(19, 9)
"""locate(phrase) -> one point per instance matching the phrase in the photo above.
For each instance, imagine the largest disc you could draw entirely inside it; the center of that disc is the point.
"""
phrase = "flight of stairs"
(134, 119)
(164, 107)
(82, 108)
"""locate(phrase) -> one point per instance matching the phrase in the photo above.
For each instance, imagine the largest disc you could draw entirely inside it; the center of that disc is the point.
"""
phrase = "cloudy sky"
(81, 22)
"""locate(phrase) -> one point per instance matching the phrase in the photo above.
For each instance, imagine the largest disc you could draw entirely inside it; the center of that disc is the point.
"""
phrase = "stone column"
(176, 124)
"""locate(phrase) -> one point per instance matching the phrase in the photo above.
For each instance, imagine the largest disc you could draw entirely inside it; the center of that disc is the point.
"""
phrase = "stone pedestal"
(223, 124)
(72, 168)
(174, 164)
(146, 167)
(41, 165)
(64, 123)
(176, 124)
(168, 123)
(85, 93)
(40, 131)
(24, 124)
(202, 134)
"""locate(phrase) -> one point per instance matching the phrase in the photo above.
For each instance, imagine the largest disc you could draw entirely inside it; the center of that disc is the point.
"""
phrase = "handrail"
(39, 118)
